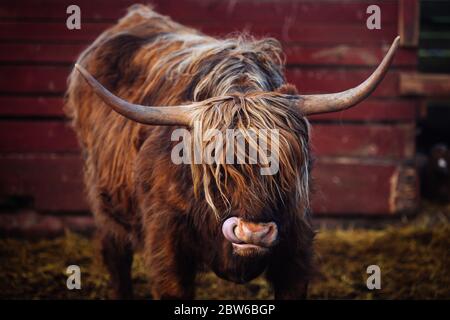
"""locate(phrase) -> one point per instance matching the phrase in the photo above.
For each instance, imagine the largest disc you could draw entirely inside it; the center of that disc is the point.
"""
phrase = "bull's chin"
(249, 250)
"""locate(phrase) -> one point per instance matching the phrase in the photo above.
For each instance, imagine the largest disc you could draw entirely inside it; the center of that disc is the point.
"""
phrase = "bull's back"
(122, 59)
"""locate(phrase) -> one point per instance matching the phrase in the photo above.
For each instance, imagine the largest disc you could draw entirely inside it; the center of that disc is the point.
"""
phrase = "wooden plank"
(21, 106)
(37, 136)
(369, 141)
(52, 79)
(328, 80)
(56, 9)
(37, 52)
(302, 12)
(408, 22)
(346, 187)
(336, 12)
(333, 55)
(346, 55)
(34, 79)
(375, 110)
(54, 182)
(54, 32)
(365, 141)
(343, 187)
(306, 34)
(422, 84)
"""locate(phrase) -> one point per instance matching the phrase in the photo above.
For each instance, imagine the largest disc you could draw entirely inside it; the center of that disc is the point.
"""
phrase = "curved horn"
(170, 115)
(332, 102)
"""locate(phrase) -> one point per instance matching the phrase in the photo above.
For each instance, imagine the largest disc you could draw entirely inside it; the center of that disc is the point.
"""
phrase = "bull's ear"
(288, 89)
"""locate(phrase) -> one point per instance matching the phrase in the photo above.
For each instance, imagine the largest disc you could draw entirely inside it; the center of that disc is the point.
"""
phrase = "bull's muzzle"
(249, 234)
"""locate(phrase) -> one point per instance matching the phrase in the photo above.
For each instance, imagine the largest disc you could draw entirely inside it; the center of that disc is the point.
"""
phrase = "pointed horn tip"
(395, 44)
(396, 41)
(393, 48)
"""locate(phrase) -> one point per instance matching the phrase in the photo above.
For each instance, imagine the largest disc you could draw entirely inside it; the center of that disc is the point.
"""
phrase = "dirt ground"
(414, 257)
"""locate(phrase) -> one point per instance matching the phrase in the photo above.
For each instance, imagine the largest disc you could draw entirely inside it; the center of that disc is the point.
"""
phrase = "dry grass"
(414, 259)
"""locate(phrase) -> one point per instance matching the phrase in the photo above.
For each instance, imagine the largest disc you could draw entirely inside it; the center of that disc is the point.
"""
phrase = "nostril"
(270, 235)
(268, 231)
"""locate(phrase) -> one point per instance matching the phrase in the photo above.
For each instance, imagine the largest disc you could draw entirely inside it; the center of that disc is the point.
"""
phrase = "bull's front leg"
(294, 289)
(170, 258)
(118, 258)
(290, 268)
(288, 281)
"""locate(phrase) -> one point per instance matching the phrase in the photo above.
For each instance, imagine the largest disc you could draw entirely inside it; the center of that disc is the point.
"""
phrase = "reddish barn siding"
(363, 154)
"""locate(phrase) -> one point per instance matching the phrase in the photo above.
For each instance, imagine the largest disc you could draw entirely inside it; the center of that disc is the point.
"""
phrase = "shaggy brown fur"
(142, 200)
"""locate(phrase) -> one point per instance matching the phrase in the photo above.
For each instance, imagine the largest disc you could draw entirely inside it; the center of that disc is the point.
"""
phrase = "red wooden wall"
(363, 155)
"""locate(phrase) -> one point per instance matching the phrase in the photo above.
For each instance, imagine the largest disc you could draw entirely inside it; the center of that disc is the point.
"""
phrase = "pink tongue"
(228, 229)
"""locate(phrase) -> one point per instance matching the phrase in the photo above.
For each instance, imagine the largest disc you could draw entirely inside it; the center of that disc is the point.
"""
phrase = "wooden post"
(408, 22)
